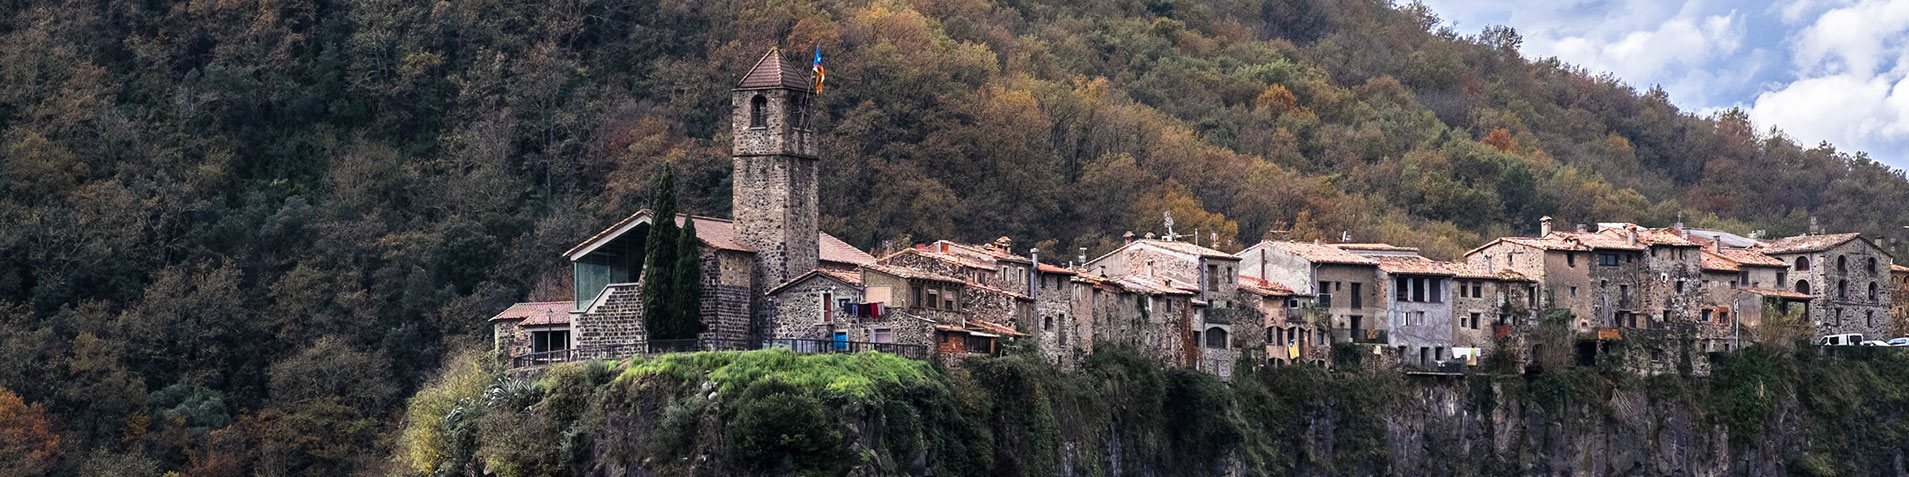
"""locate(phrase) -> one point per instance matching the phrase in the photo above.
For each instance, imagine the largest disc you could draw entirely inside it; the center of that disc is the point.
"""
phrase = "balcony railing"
(1348, 335)
(804, 346)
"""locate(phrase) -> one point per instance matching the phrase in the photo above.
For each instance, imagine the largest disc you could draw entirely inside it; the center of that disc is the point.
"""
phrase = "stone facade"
(1851, 278)
(1899, 309)
(616, 317)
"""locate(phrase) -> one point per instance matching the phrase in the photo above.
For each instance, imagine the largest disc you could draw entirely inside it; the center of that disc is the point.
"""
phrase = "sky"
(1819, 70)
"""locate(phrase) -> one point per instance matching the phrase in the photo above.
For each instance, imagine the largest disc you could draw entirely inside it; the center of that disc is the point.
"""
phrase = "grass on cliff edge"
(859, 376)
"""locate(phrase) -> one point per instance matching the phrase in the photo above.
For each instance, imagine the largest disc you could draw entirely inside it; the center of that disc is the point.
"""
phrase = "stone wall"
(1837, 312)
(1672, 285)
(1424, 329)
(616, 318)
(798, 307)
(1053, 326)
(510, 339)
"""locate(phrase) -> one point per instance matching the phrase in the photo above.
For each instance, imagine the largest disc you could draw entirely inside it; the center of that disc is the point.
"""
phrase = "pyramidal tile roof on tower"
(774, 71)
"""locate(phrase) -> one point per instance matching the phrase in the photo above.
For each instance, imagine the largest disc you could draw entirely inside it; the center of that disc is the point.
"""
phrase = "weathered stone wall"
(616, 318)
(1467, 332)
(510, 339)
(1616, 291)
(1428, 339)
(1370, 312)
(1053, 325)
(1853, 310)
(1899, 309)
(798, 308)
(1672, 284)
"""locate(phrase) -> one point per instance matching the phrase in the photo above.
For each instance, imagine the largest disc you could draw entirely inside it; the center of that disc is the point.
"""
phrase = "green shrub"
(780, 428)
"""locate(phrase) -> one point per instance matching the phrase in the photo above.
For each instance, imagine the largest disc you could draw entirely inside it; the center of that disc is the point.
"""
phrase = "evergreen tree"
(659, 262)
(687, 322)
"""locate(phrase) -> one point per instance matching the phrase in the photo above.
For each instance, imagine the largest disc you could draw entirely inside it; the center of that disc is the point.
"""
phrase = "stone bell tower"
(774, 197)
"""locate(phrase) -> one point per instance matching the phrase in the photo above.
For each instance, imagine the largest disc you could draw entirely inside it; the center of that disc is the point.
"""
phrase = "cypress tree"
(659, 262)
(689, 285)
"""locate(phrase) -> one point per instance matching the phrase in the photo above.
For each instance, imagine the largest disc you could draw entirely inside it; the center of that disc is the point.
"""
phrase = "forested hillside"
(234, 234)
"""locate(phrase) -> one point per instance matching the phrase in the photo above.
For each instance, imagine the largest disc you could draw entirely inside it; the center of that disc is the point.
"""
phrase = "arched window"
(1802, 264)
(1803, 286)
(1842, 263)
(1872, 265)
(1874, 291)
(757, 116)
(1216, 338)
(1842, 289)
(1869, 319)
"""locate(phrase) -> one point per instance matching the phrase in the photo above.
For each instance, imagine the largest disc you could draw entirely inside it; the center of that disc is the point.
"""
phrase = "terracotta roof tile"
(1751, 257)
(774, 71)
(1716, 262)
(1375, 247)
(1186, 248)
(1898, 268)
(1415, 265)
(1263, 287)
(1319, 253)
(1808, 243)
(912, 274)
(1154, 285)
(1773, 292)
(721, 234)
(540, 313)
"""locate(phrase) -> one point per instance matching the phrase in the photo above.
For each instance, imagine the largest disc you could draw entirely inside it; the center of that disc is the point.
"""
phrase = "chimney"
(1582, 228)
(1631, 233)
(1544, 226)
(1813, 229)
(1034, 272)
(1083, 256)
(1127, 237)
(1716, 246)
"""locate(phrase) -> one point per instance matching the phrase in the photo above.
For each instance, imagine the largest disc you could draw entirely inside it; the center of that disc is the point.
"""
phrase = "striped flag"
(820, 75)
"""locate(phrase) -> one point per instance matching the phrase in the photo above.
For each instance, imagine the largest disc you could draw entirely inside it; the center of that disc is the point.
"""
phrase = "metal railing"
(653, 347)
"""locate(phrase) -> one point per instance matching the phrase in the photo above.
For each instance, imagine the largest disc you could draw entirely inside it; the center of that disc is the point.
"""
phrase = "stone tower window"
(1872, 265)
(1803, 286)
(1842, 264)
(757, 115)
(1873, 292)
(1802, 264)
(1842, 289)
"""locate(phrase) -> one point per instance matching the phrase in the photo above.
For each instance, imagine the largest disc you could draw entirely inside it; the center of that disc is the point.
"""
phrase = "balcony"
(1362, 336)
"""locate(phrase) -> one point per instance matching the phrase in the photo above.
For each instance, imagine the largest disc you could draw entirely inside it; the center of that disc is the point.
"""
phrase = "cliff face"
(768, 413)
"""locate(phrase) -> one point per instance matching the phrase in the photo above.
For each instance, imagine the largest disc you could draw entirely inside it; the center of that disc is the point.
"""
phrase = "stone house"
(1596, 276)
(534, 327)
(1671, 287)
(1343, 285)
(1738, 294)
(1416, 293)
(1291, 336)
(1204, 334)
(996, 265)
(1848, 274)
(1490, 306)
(967, 317)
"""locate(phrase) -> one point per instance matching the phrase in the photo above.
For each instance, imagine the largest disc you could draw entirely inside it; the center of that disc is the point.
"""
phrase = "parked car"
(1840, 340)
(1875, 343)
(1899, 342)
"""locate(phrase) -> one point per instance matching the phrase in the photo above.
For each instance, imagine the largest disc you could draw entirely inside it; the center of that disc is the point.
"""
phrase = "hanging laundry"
(875, 310)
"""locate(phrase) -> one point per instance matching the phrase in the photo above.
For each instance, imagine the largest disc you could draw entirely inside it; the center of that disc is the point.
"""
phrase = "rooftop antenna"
(1345, 236)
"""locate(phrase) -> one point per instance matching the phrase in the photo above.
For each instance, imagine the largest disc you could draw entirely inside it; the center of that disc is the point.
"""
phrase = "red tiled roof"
(774, 71)
(1375, 247)
(539, 313)
(721, 234)
(1748, 257)
(1263, 287)
(1808, 243)
(1319, 253)
(1154, 285)
(847, 277)
(1716, 262)
(912, 274)
(1898, 268)
(1045, 268)
(1415, 265)
(1186, 248)
(995, 328)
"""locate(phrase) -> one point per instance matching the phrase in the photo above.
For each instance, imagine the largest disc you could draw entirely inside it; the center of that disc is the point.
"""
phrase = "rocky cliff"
(1761, 412)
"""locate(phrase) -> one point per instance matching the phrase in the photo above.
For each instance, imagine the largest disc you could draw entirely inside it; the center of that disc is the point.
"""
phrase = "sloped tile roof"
(721, 234)
(774, 71)
(1186, 248)
(846, 277)
(539, 313)
(1716, 262)
(1898, 268)
(1319, 253)
(1808, 243)
(1415, 265)
(1779, 293)
(1375, 247)
(1751, 257)
(1154, 285)
(1263, 287)
(912, 274)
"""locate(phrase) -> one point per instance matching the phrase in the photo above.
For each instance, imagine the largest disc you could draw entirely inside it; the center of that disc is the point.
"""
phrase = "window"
(1872, 265)
(1803, 286)
(1743, 278)
(1216, 338)
(1607, 259)
(1723, 318)
(549, 340)
(1047, 323)
(1475, 317)
(1358, 299)
(1842, 264)
(1875, 293)
(1325, 294)
(1869, 318)
(1680, 285)
(828, 306)
(881, 335)
(1781, 278)
(918, 302)
(948, 300)
(757, 115)
(1706, 316)
(1571, 259)
(1574, 292)
(1401, 288)
(934, 298)
(1212, 277)
(1802, 264)
(1842, 289)
(1478, 290)
(1438, 289)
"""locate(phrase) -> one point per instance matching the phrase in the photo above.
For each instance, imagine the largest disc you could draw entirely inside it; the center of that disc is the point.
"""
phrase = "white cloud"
(1851, 84)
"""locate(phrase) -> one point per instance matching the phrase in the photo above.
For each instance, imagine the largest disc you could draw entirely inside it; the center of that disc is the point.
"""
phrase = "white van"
(1851, 339)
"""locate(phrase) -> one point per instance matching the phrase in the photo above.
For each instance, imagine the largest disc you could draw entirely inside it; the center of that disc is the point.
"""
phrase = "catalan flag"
(820, 75)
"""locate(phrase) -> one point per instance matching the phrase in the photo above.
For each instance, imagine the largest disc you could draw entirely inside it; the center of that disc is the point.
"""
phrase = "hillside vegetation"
(234, 234)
